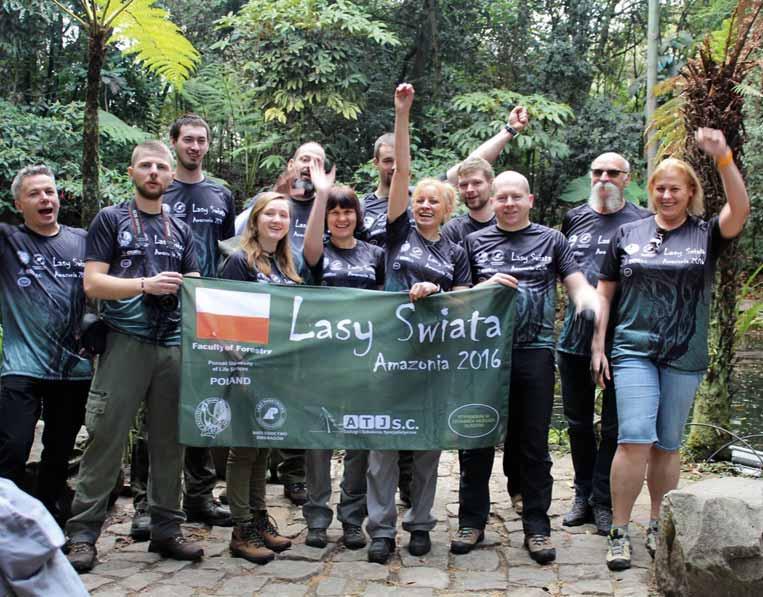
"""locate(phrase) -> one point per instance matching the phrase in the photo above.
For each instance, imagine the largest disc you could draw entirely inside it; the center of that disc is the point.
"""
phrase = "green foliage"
(119, 131)
(752, 316)
(302, 54)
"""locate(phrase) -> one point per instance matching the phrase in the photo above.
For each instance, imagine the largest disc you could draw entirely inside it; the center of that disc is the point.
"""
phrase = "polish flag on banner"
(231, 315)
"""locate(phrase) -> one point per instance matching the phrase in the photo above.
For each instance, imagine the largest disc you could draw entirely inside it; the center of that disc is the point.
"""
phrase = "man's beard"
(147, 194)
(612, 200)
(189, 165)
(476, 203)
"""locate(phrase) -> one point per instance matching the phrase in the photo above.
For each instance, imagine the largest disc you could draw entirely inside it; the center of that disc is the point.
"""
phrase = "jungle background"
(84, 80)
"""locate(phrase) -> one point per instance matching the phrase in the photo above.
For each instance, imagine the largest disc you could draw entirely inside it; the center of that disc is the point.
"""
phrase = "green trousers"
(126, 374)
(245, 474)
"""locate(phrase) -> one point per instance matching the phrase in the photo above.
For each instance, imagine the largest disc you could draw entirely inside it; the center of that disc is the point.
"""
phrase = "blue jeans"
(653, 401)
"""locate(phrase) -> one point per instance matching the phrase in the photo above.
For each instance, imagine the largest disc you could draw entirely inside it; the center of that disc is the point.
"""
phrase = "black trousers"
(590, 461)
(62, 405)
(526, 461)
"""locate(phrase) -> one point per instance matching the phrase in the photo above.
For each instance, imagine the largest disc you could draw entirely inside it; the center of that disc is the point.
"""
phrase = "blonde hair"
(696, 205)
(445, 191)
(255, 255)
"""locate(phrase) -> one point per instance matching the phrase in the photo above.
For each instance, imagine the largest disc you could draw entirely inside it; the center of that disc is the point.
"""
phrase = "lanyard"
(137, 224)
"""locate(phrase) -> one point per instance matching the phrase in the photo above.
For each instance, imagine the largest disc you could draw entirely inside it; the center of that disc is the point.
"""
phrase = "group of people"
(646, 276)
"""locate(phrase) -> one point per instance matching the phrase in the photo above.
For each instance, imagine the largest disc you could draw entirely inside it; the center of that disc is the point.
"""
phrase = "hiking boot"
(651, 538)
(516, 503)
(296, 492)
(353, 537)
(580, 512)
(212, 514)
(268, 530)
(81, 556)
(140, 527)
(466, 540)
(317, 538)
(176, 548)
(602, 518)
(420, 543)
(541, 549)
(246, 542)
(380, 550)
(618, 550)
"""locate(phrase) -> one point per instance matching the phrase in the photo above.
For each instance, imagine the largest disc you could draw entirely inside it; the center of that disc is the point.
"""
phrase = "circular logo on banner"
(473, 420)
(212, 416)
(270, 413)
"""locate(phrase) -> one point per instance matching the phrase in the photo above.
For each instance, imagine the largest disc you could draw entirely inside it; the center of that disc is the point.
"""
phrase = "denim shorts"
(653, 401)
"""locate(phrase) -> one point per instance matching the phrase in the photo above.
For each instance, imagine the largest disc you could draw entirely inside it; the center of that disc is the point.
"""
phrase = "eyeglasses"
(611, 172)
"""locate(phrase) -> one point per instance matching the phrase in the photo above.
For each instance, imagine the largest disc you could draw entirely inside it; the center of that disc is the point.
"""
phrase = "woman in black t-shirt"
(265, 256)
(420, 262)
(664, 267)
(343, 261)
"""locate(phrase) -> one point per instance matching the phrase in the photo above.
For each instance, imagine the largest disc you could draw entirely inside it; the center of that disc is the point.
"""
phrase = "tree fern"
(118, 130)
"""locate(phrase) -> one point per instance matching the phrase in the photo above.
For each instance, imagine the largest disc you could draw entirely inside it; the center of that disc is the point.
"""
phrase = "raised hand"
(518, 118)
(711, 141)
(404, 97)
(322, 181)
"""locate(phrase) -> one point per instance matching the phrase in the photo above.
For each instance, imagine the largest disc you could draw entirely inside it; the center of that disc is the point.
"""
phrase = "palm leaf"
(119, 131)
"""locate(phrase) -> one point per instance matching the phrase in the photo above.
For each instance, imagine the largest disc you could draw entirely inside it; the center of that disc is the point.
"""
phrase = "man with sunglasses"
(588, 229)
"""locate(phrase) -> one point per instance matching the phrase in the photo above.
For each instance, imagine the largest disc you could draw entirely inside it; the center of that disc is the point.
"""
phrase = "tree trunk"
(96, 55)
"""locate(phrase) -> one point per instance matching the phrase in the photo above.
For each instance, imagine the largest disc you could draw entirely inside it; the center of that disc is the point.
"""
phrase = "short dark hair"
(345, 198)
(385, 139)
(188, 120)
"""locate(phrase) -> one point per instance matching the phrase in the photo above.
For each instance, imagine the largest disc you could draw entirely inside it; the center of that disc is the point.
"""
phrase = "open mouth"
(45, 211)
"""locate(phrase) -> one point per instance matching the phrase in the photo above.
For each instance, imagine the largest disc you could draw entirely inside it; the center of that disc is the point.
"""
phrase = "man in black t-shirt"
(589, 229)
(475, 185)
(136, 257)
(207, 208)
(375, 203)
(42, 305)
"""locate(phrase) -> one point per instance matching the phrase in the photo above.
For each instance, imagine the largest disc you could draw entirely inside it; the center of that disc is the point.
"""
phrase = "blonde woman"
(420, 261)
(663, 266)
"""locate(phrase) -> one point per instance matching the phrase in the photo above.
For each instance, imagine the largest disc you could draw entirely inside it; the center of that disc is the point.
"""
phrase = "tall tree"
(142, 30)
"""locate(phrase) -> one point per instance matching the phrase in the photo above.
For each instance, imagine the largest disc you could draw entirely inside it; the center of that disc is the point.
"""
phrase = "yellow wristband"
(723, 161)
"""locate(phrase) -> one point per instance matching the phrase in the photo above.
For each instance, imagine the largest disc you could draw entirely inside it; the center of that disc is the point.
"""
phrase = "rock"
(424, 577)
(711, 540)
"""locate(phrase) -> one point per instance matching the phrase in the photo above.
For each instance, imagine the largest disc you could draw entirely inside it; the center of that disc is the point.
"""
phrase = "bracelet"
(143, 286)
(723, 161)
(511, 130)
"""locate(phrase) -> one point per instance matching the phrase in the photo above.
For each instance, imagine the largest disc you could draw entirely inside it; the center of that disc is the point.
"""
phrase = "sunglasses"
(612, 173)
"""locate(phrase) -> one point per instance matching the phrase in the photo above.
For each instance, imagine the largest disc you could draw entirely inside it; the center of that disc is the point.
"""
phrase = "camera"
(168, 303)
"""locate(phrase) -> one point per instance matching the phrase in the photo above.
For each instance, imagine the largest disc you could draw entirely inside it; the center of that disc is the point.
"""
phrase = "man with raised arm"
(137, 255)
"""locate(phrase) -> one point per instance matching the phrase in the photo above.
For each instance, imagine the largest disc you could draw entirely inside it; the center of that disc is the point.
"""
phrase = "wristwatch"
(511, 130)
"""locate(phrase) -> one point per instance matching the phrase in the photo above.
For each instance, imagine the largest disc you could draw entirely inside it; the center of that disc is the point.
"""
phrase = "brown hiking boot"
(245, 542)
(268, 530)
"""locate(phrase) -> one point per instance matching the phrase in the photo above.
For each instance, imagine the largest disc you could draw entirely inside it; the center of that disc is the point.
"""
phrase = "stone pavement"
(500, 566)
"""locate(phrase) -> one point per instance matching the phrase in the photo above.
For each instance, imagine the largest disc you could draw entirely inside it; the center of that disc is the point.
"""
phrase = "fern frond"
(146, 32)
(119, 131)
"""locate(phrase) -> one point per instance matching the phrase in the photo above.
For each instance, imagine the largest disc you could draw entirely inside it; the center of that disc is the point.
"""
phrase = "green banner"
(315, 367)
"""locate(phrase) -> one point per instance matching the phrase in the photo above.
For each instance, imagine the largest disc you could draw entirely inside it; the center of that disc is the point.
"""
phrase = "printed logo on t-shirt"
(124, 238)
(23, 257)
(24, 282)
(417, 252)
(497, 257)
(405, 247)
(179, 208)
(585, 239)
(39, 260)
(632, 248)
(368, 221)
(336, 265)
(627, 272)
(396, 265)
(125, 263)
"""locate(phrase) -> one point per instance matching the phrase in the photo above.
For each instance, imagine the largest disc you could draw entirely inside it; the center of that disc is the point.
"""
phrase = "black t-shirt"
(589, 233)
(535, 256)
(411, 258)
(457, 229)
(374, 230)
(666, 281)
(359, 267)
(208, 209)
(236, 267)
(43, 301)
(140, 245)
(299, 212)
